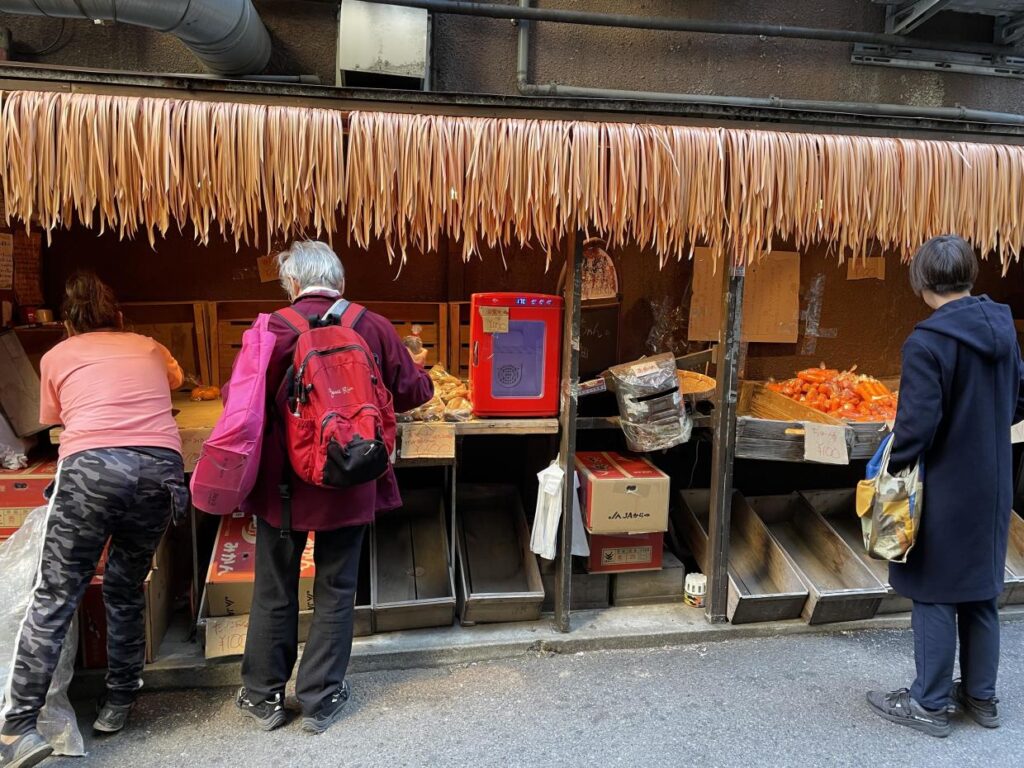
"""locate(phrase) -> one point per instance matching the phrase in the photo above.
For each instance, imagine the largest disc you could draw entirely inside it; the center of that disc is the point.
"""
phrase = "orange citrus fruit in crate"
(841, 394)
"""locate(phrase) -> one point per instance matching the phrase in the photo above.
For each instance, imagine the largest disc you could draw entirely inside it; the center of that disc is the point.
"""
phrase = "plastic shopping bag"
(890, 506)
(19, 564)
(544, 539)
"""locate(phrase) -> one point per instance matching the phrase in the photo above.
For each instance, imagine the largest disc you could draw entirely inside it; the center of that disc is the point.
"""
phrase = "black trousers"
(936, 627)
(271, 645)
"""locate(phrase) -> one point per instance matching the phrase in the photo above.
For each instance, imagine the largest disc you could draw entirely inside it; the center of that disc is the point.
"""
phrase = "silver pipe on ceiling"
(227, 36)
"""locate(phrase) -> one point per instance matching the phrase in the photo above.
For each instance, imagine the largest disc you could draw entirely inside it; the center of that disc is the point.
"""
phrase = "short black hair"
(945, 264)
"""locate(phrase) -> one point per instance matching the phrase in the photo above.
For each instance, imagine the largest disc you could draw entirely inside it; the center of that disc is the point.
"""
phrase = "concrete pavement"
(784, 701)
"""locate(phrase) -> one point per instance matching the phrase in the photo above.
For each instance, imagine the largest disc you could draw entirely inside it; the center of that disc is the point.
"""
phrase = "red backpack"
(340, 425)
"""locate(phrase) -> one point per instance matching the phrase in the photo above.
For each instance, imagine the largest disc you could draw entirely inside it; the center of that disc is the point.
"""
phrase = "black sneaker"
(111, 718)
(27, 750)
(268, 714)
(330, 711)
(983, 712)
(899, 707)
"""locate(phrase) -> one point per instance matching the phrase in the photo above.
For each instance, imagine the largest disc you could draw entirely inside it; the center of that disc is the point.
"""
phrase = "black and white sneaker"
(982, 712)
(330, 711)
(269, 714)
(900, 708)
(111, 718)
(24, 752)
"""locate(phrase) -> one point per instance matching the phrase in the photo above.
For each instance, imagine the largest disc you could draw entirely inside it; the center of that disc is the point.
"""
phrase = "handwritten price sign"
(825, 444)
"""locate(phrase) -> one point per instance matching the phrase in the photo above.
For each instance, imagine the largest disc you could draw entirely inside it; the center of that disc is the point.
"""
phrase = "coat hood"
(976, 322)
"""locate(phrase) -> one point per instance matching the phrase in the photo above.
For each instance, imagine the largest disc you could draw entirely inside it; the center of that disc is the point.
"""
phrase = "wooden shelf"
(504, 427)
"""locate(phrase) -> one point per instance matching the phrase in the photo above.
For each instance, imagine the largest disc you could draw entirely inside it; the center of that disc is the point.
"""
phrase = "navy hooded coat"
(960, 392)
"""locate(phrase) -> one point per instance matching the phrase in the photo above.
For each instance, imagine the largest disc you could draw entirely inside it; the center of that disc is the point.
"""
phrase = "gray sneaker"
(26, 751)
(111, 718)
(899, 707)
(330, 711)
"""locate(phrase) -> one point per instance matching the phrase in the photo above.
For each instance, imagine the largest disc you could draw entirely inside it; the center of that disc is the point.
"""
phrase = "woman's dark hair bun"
(89, 304)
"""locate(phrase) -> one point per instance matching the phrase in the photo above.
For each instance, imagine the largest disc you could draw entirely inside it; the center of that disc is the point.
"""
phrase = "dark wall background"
(479, 55)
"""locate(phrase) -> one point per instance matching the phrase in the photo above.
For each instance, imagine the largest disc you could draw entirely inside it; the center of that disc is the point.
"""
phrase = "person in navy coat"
(960, 393)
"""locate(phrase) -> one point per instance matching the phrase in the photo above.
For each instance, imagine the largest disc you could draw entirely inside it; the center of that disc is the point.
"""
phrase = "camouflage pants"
(120, 494)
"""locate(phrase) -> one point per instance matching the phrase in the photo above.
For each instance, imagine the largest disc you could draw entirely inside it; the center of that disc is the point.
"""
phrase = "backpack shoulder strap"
(351, 314)
(293, 319)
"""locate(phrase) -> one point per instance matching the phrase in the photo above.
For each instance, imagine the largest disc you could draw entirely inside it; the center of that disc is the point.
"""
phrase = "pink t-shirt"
(110, 390)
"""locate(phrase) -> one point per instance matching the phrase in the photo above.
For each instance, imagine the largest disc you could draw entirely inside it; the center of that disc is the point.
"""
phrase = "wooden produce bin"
(763, 584)
(769, 427)
(841, 587)
(839, 510)
(498, 576)
(590, 591)
(180, 326)
(458, 335)
(1014, 594)
(410, 577)
(228, 320)
(651, 587)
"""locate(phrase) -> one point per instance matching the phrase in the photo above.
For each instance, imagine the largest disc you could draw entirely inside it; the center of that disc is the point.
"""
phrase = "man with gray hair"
(314, 279)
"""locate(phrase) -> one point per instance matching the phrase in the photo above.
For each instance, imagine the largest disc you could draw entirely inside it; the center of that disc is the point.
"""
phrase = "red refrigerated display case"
(515, 353)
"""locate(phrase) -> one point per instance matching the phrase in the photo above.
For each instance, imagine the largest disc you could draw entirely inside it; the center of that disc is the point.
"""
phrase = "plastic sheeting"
(651, 411)
(19, 564)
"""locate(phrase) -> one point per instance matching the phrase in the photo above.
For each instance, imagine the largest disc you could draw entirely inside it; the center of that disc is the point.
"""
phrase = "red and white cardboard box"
(230, 580)
(624, 553)
(621, 493)
(21, 491)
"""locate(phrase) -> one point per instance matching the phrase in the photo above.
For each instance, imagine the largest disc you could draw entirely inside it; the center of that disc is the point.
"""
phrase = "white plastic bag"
(19, 564)
(544, 539)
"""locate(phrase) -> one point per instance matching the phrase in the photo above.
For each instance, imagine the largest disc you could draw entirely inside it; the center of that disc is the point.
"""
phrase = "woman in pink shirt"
(120, 479)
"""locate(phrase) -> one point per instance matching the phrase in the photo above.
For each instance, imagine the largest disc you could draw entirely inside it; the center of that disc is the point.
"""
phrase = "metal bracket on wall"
(908, 16)
(942, 61)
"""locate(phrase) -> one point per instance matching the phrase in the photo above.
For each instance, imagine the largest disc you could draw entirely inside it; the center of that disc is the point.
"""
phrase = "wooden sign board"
(872, 268)
(428, 441)
(771, 298)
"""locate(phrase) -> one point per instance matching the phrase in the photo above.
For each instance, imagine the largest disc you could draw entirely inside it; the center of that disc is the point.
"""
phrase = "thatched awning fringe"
(142, 164)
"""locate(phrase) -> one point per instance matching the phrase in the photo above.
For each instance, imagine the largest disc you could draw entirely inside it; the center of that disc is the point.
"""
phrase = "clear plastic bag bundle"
(19, 564)
(651, 411)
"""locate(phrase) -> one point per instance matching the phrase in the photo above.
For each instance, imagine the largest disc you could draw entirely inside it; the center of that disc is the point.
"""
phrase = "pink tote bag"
(230, 460)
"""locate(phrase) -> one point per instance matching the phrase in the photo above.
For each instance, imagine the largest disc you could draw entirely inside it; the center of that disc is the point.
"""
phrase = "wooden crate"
(838, 509)
(228, 320)
(498, 576)
(840, 586)
(1015, 561)
(181, 326)
(651, 587)
(590, 591)
(458, 335)
(763, 584)
(410, 576)
(769, 426)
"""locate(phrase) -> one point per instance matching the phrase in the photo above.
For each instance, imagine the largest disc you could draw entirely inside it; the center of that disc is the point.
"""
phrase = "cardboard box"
(622, 494)
(19, 387)
(229, 581)
(630, 552)
(21, 491)
(92, 612)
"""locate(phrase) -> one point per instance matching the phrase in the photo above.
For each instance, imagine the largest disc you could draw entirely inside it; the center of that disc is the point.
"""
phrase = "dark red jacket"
(323, 509)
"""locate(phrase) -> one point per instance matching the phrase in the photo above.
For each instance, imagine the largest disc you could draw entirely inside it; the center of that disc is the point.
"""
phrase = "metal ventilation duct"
(228, 36)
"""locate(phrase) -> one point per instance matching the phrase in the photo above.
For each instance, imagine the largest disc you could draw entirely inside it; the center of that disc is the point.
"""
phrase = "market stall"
(749, 230)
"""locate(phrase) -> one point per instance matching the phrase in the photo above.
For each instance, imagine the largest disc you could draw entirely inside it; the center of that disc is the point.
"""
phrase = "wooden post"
(567, 425)
(724, 448)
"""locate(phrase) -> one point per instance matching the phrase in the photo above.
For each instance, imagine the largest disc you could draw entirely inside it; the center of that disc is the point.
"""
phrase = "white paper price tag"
(1017, 433)
(825, 444)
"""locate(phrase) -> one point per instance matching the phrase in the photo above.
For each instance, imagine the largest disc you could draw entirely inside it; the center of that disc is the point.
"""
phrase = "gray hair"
(310, 263)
